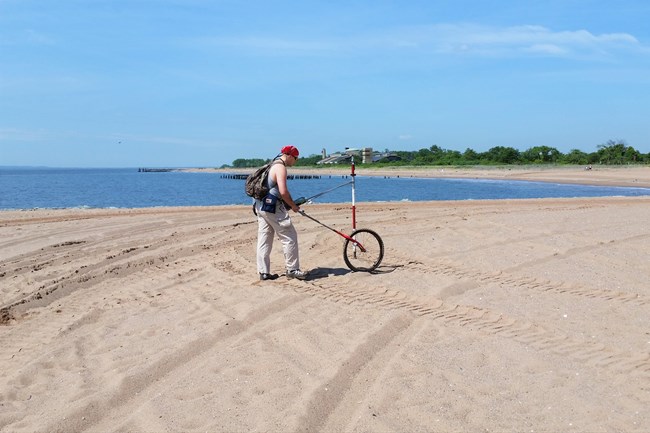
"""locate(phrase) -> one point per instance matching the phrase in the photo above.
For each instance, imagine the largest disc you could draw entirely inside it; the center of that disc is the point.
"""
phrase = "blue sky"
(197, 83)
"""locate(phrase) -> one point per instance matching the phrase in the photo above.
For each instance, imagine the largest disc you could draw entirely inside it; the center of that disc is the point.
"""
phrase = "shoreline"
(616, 176)
(625, 176)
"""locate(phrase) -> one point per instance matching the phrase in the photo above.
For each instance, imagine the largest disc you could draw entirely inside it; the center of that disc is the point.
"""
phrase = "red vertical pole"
(354, 208)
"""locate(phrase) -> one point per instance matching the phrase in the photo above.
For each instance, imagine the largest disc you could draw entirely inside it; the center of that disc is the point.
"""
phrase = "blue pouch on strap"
(269, 203)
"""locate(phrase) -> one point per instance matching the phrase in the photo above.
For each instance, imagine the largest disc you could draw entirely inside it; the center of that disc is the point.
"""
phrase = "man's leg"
(289, 237)
(265, 233)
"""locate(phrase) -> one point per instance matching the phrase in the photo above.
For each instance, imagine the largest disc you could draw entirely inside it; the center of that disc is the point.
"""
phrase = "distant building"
(366, 155)
(337, 158)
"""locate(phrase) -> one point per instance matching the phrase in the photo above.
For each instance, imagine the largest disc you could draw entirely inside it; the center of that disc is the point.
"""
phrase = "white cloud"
(508, 41)
(550, 49)
(466, 39)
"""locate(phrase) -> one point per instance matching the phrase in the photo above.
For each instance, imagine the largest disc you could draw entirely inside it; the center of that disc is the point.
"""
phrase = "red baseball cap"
(290, 150)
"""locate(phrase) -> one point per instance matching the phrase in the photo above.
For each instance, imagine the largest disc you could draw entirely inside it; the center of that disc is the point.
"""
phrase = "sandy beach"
(629, 176)
(504, 315)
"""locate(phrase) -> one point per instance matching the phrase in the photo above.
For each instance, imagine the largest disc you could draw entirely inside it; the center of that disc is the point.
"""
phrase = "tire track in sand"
(117, 403)
(325, 404)
(124, 258)
(485, 320)
(442, 267)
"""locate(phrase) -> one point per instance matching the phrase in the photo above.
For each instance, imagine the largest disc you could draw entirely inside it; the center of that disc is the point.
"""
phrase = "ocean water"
(33, 188)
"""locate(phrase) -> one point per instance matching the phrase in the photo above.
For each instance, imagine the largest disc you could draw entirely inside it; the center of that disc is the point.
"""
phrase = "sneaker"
(265, 277)
(298, 274)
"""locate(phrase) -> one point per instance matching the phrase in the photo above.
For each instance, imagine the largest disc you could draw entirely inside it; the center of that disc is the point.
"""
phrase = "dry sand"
(506, 315)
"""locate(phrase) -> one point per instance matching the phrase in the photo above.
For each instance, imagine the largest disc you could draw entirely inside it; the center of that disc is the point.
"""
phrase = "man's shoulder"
(278, 164)
(276, 169)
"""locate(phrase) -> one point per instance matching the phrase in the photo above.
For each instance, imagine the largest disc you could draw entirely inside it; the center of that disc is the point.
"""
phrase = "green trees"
(308, 161)
(611, 152)
(248, 163)
(541, 155)
(579, 157)
(614, 152)
(502, 155)
(471, 156)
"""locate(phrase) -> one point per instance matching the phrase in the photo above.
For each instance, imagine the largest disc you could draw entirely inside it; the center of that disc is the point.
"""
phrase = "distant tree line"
(258, 162)
(248, 163)
(610, 153)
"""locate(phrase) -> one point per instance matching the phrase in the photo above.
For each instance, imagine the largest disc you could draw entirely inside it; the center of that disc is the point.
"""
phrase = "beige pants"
(270, 224)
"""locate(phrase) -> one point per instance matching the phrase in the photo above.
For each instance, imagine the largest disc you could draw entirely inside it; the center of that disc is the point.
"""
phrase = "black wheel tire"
(359, 261)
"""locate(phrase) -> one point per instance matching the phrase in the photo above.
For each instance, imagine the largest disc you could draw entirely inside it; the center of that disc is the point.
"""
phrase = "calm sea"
(33, 188)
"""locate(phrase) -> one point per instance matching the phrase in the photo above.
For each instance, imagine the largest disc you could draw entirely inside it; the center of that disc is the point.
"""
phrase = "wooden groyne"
(289, 176)
(237, 176)
(155, 170)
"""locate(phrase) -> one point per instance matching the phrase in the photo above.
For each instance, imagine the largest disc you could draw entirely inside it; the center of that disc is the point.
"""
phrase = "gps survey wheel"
(363, 250)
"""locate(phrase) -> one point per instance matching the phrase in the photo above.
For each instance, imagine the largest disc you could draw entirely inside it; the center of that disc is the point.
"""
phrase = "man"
(273, 218)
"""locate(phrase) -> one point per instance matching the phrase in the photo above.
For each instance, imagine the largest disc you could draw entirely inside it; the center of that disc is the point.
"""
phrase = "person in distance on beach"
(273, 218)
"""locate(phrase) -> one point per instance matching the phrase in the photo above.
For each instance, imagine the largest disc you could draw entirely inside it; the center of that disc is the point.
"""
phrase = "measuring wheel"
(363, 250)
